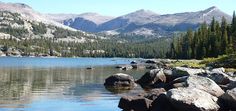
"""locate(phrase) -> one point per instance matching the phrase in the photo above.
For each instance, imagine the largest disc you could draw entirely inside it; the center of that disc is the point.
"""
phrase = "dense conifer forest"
(218, 38)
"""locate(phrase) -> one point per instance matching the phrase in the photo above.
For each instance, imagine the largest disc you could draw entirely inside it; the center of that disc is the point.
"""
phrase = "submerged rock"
(138, 66)
(192, 99)
(89, 68)
(120, 81)
(124, 67)
(133, 62)
(151, 61)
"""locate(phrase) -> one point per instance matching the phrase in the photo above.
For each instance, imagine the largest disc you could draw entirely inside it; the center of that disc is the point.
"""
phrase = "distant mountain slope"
(144, 22)
(19, 21)
(14, 26)
(87, 21)
(29, 14)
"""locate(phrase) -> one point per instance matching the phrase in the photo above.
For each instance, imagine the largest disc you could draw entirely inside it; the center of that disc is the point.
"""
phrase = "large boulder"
(120, 81)
(162, 103)
(184, 71)
(231, 85)
(178, 82)
(151, 61)
(192, 99)
(153, 94)
(152, 77)
(220, 77)
(228, 100)
(134, 103)
(204, 84)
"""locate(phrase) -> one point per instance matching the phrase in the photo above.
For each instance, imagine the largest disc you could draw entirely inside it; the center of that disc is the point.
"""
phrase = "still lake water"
(60, 84)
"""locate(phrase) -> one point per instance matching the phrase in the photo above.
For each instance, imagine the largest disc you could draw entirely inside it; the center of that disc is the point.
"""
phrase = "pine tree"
(233, 29)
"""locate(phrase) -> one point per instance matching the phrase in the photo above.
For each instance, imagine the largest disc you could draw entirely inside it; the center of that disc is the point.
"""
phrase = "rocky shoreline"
(177, 88)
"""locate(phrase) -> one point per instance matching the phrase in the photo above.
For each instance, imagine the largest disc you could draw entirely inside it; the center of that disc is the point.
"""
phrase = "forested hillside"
(101, 48)
(208, 41)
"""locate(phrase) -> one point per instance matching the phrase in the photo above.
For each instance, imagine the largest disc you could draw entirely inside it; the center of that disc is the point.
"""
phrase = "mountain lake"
(60, 84)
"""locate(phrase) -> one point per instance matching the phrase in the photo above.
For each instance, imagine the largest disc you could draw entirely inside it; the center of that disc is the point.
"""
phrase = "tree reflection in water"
(20, 87)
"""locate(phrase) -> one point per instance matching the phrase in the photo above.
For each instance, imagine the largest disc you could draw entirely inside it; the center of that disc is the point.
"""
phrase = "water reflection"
(46, 88)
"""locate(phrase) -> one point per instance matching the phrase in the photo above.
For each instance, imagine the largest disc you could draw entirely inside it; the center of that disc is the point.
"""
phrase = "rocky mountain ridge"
(145, 22)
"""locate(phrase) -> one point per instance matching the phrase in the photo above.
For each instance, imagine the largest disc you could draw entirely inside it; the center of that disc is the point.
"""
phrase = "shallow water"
(46, 84)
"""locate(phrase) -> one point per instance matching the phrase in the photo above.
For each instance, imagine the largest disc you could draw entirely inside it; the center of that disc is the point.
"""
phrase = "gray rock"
(184, 71)
(133, 62)
(218, 70)
(192, 99)
(228, 100)
(151, 61)
(120, 80)
(152, 66)
(153, 94)
(162, 103)
(135, 103)
(204, 84)
(2, 54)
(231, 85)
(152, 77)
(231, 74)
(89, 68)
(220, 77)
(138, 66)
(124, 67)
(178, 82)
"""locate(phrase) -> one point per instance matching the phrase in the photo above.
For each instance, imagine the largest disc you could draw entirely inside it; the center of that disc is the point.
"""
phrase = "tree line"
(146, 49)
(212, 40)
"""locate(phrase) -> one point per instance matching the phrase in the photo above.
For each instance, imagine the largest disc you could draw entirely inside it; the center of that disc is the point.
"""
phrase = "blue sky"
(120, 7)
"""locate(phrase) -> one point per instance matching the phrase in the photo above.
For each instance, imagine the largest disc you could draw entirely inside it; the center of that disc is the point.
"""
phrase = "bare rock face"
(228, 100)
(192, 99)
(152, 77)
(120, 81)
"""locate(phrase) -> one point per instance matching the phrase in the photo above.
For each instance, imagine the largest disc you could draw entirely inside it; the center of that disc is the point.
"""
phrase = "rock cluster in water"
(178, 89)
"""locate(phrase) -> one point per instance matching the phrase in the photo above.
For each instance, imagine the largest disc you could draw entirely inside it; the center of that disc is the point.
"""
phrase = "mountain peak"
(95, 17)
(140, 13)
(22, 5)
(213, 8)
(89, 14)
